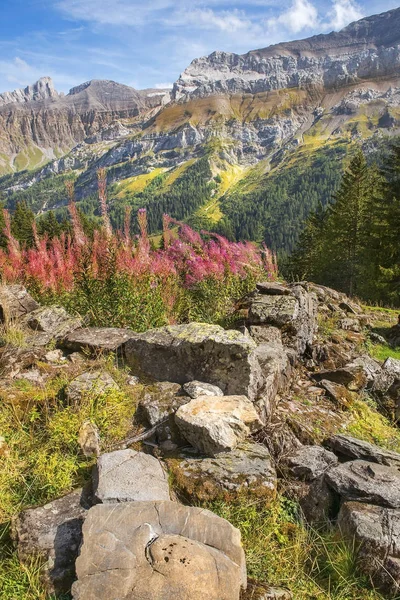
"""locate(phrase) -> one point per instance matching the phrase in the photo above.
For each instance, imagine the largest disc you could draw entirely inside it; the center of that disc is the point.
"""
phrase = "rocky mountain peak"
(42, 89)
(365, 49)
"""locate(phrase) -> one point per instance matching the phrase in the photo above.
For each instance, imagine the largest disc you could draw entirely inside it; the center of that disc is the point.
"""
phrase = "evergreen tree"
(21, 224)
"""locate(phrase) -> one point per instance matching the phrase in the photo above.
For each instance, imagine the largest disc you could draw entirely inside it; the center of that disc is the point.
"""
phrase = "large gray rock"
(294, 314)
(368, 482)
(53, 321)
(15, 302)
(350, 448)
(53, 534)
(215, 424)
(376, 531)
(91, 382)
(96, 339)
(272, 288)
(198, 351)
(127, 475)
(163, 550)
(309, 462)
(277, 370)
(246, 470)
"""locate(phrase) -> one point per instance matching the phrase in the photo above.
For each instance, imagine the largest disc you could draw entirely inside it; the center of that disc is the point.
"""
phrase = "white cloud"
(301, 15)
(342, 13)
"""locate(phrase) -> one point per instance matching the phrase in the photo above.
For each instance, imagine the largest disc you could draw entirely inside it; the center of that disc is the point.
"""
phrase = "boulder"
(272, 288)
(148, 550)
(52, 320)
(91, 382)
(370, 367)
(388, 378)
(348, 448)
(158, 407)
(294, 314)
(308, 463)
(351, 376)
(277, 369)
(213, 424)
(127, 475)
(52, 533)
(376, 531)
(96, 339)
(266, 334)
(368, 482)
(198, 351)
(194, 389)
(15, 302)
(246, 470)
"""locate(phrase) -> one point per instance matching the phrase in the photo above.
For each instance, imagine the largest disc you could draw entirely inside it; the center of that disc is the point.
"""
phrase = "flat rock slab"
(215, 424)
(15, 302)
(308, 463)
(158, 550)
(246, 470)
(96, 339)
(351, 376)
(198, 351)
(52, 532)
(376, 531)
(127, 475)
(347, 447)
(272, 288)
(91, 382)
(366, 482)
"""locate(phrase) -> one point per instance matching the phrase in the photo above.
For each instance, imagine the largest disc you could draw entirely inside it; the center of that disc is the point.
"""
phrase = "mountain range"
(243, 144)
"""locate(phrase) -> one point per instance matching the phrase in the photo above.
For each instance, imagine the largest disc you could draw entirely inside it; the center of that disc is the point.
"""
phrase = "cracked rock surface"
(147, 550)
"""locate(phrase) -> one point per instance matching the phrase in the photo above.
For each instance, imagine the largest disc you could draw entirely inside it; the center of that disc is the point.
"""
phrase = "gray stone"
(295, 315)
(317, 501)
(370, 366)
(350, 325)
(276, 367)
(163, 550)
(97, 339)
(388, 377)
(52, 320)
(266, 334)
(91, 382)
(53, 534)
(89, 439)
(309, 462)
(246, 470)
(351, 376)
(158, 407)
(198, 351)
(15, 302)
(376, 531)
(127, 475)
(350, 448)
(215, 424)
(194, 389)
(272, 288)
(368, 482)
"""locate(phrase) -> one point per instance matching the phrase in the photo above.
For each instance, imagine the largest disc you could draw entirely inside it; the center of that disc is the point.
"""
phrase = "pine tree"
(21, 224)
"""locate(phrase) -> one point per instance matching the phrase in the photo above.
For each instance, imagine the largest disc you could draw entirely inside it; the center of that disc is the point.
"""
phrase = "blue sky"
(147, 44)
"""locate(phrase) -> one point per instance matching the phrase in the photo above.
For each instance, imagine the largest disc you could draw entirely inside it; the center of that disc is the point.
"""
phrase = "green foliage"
(273, 208)
(281, 551)
(353, 245)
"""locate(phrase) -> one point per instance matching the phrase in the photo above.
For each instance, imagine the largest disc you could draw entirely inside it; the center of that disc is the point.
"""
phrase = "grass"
(369, 425)
(138, 183)
(383, 351)
(281, 551)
